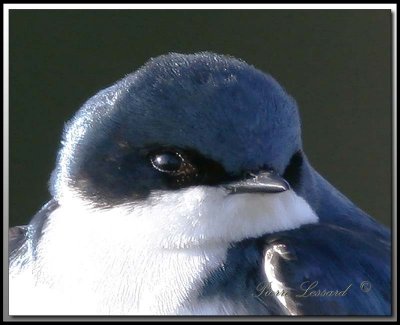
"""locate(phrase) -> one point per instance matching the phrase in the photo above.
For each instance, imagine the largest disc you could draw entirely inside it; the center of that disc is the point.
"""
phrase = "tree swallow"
(183, 189)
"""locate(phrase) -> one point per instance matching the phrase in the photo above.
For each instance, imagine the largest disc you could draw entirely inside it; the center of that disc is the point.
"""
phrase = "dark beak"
(265, 182)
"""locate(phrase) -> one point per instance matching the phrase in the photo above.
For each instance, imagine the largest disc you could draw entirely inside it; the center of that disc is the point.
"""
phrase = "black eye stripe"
(293, 171)
(192, 169)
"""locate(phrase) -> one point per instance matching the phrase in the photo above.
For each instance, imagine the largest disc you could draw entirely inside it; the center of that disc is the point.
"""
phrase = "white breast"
(148, 259)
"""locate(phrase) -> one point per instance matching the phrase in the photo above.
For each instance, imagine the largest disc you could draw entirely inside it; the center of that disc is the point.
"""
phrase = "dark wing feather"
(19, 235)
(16, 238)
(337, 258)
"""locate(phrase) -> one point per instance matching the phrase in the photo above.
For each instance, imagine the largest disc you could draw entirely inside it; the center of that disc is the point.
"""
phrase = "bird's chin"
(192, 217)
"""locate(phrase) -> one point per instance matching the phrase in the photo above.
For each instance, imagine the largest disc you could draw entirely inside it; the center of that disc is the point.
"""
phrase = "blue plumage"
(315, 258)
(220, 142)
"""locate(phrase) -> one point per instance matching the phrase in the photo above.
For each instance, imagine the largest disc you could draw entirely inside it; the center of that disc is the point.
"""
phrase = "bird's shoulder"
(16, 236)
(328, 269)
(19, 235)
(267, 275)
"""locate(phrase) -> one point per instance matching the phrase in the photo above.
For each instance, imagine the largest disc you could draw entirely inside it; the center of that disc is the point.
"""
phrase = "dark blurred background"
(336, 63)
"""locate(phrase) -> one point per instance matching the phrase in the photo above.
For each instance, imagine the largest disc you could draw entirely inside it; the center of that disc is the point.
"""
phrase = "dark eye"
(167, 162)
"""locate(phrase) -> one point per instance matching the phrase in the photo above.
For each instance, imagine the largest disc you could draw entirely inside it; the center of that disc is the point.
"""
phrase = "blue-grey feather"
(243, 119)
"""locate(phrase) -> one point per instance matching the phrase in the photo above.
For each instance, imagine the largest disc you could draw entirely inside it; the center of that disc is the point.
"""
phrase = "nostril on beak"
(250, 175)
(255, 173)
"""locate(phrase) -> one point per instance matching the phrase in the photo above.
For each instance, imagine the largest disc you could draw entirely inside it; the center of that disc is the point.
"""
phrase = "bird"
(184, 189)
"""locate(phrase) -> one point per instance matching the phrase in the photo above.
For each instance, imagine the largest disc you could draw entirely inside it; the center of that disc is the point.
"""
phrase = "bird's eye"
(167, 162)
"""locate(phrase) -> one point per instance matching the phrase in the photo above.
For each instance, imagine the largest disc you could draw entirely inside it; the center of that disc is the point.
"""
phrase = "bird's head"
(193, 147)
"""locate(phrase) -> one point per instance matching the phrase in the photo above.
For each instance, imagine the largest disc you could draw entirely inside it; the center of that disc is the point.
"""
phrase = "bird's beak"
(265, 182)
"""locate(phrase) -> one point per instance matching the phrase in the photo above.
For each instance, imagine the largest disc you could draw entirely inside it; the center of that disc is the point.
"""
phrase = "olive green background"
(336, 63)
